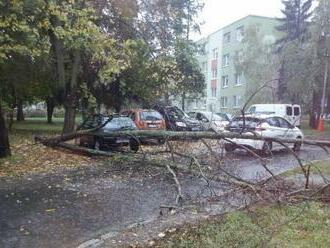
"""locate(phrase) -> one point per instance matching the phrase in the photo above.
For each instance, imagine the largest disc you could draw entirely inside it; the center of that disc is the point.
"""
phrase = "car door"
(296, 115)
(289, 113)
(286, 128)
(274, 130)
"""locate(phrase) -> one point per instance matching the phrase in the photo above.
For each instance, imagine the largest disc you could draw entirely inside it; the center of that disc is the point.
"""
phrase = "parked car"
(265, 126)
(211, 121)
(290, 112)
(99, 139)
(178, 120)
(228, 117)
(146, 119)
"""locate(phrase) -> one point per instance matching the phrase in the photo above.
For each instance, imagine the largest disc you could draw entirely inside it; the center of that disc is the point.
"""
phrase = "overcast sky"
(219, 13)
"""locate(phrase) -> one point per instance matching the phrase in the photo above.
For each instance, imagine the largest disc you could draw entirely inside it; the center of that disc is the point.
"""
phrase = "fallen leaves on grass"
(28, 157)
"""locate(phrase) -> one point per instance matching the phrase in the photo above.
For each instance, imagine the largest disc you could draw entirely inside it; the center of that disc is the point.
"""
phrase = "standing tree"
(294, 26)
(18, 37)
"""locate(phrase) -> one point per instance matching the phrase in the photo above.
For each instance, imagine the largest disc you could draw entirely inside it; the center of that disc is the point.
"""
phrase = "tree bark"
(20, 114)
(50, 109)
(69, 117)
(70, 106)
(4, 140)
(315, 111)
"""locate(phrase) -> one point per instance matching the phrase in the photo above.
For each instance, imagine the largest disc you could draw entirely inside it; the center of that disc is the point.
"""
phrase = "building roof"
(239, 20)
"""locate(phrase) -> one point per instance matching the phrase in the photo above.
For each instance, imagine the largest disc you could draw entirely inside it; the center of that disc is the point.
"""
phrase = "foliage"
(258, 63)
(296, 20)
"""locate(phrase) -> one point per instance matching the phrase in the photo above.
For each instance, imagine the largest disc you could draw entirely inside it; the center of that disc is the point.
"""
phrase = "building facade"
(225, 87)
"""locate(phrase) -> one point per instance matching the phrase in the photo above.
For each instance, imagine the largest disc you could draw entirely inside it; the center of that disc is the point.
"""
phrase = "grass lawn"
(309, 131)
(40, 125)
(303, 225)
(317, 168)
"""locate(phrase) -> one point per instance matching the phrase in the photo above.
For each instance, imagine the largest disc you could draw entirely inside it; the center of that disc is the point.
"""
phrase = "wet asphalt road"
(64, 210)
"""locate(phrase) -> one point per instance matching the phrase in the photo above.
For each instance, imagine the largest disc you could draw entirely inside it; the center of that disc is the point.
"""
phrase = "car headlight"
(180, 124)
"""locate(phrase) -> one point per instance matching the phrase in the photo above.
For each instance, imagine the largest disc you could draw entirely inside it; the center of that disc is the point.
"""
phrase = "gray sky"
(219, 13)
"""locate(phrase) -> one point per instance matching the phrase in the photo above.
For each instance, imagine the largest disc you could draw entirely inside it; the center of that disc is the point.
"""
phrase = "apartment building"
(225, 87)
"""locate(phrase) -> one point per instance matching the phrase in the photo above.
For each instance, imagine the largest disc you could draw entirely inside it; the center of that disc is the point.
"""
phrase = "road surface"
(67, 209)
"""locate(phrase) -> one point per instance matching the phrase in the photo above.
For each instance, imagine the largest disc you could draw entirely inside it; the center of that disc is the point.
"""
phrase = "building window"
(225, 81)
(215, 53)
(238, 78)
(214, 92)
(237, 101)
(214, 88)
(226, 37)
(240, 33)
(225, 60)
(224, 102)
(239, 56)
(214, 72)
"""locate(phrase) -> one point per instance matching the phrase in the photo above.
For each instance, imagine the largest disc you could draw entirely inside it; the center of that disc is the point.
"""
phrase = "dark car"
(99, 139)
(177, 120)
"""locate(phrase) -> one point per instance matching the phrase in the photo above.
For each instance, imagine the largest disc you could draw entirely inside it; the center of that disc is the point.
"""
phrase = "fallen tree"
(175, 136)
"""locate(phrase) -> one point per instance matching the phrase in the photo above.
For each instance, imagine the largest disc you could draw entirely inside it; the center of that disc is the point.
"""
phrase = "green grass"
(309, 131)
(317, 168)
(304, 225)
(40, 125)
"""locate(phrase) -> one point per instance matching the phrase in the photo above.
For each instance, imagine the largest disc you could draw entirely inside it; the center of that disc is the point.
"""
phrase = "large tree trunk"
(20, 114)
(315, 110)
(50, 109)
(70, 106)
(69, 117)
(4, 140)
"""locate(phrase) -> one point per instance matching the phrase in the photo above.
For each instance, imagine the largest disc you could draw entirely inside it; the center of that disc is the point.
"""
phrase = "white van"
(288, 111)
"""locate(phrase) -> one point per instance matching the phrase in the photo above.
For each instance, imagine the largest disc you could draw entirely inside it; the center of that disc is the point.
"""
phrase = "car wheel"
(134, 145)
(230, 147)
(297, 146)
(267, 147)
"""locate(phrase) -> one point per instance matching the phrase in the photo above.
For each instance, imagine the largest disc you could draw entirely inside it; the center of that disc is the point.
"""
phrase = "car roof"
(260, 116)
(138, 110)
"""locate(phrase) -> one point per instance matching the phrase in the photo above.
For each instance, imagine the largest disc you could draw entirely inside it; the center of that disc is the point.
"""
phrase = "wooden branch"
(84, 150)
(178, 185)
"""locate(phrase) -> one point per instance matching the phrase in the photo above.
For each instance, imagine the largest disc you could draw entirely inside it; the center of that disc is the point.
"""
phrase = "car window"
(284, 123)
(252, 109)
(199, 116)
(250, 122)
(120, 123)
(289, 110)
(132, 116)
(273, 122)
(93, 121)
(214, 117)
(223, 116)
(176, 113)
(296, 111)
(150, 116)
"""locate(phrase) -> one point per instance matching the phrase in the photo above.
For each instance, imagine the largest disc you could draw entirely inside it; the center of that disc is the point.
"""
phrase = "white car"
(211, 121)
(265, 126)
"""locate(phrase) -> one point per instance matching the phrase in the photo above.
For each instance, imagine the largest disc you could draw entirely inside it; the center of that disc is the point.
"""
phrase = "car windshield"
(120, 123)
(250, 122)
(223, 116)
(176, 113)
(213, 117)
(150, 116)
